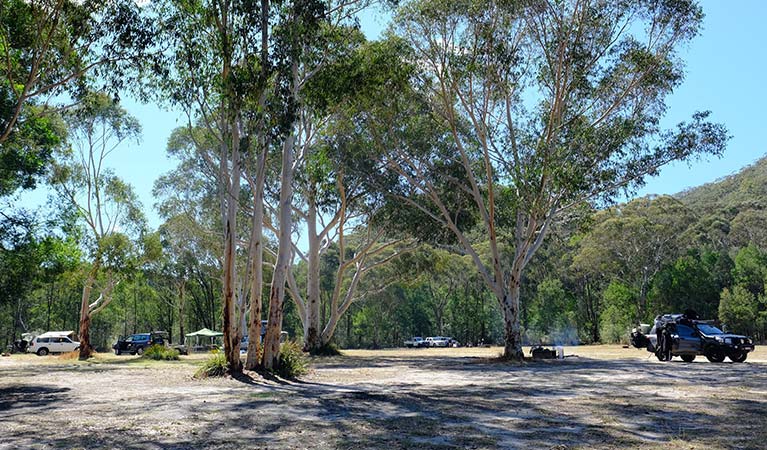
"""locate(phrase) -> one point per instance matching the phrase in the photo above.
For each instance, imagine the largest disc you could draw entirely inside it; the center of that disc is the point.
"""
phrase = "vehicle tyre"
(688, 358)
(714, 354)
(738, 357)
(77, 349)
(117, 351)
(42, 352)
(140, 351)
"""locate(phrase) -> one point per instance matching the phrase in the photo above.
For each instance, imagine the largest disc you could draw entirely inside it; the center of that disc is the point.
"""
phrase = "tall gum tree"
(546, 104)
(334, 192)
(116, 240)
(323, 29)
(221, 74)
(238, 68)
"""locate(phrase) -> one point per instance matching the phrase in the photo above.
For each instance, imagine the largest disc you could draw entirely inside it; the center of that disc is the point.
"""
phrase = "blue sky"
(724, 73)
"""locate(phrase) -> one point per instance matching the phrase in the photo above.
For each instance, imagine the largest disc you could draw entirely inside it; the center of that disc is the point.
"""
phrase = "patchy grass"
(607, 398)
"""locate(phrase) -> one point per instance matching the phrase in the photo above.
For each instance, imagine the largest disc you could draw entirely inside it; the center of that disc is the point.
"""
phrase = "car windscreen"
(709, 329)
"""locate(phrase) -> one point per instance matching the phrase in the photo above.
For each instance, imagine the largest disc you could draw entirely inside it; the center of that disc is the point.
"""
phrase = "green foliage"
(751, 269)
(691, 282)
(215, 366)
(292, 361)
(49, 50)
(26, 154)
(552, 315)
(618, 314)
(739, 309)
(161, 353)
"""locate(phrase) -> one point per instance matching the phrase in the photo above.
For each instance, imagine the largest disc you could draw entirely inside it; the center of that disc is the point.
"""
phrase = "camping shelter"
(210, 335)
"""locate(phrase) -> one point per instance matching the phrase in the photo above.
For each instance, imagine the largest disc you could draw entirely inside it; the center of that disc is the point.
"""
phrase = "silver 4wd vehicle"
(416, 342)
(685, 336)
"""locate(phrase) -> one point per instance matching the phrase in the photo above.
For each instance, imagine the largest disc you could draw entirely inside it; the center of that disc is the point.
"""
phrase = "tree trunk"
(181, 312)
(230, 196)
(512, 331)
(86, 351)
(257, 272)
(312, 339)
(277, 295)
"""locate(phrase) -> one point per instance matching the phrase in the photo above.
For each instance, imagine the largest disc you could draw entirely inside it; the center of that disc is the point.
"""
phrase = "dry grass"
(607, 398)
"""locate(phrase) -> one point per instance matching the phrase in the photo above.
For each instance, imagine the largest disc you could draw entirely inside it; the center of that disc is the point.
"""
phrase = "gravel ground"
(606, 397)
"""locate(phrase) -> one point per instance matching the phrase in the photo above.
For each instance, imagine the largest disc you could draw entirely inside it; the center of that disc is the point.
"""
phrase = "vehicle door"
(40, 343)
(56, 345)
(67, 345)
(689, 340)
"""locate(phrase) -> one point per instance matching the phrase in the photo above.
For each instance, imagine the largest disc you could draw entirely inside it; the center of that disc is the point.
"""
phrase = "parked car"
(440, 341)
(416, 342)
(53, 342)
(685, 336)
(135, 344)
(244, 341)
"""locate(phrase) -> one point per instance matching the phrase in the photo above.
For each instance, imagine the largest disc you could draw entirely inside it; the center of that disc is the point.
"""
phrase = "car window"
(685, 331)
(709, 329)
(45, 339)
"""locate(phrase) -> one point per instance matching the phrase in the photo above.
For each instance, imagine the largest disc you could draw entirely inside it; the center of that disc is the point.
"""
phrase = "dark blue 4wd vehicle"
(685, 336)
(137, 343)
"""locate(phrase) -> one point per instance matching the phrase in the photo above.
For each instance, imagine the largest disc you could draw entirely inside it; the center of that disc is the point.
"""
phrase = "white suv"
(52, 343)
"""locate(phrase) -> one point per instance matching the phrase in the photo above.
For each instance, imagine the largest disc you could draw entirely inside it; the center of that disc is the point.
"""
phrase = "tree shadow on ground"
(552, 404)
(29, 399)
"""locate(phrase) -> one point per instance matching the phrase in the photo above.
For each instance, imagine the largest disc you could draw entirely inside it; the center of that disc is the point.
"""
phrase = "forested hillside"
(744, 190)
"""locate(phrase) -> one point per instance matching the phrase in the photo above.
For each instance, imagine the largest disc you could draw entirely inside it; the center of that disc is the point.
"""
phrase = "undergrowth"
(293, 362)
(161, 353)
(215, 366)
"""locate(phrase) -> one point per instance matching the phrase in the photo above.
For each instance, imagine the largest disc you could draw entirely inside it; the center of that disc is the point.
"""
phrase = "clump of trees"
(456, 177)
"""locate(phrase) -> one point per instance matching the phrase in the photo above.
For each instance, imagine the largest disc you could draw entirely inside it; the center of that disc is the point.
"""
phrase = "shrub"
(293, 362)
(161, 353)
(215, 366)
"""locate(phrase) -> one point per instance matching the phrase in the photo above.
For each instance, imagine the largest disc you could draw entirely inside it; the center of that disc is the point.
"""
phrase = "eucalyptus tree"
(116, 241)
(221, 70)
(51, 50)
(238, 69)
(186, 200)
(546, 104)
(335, 191)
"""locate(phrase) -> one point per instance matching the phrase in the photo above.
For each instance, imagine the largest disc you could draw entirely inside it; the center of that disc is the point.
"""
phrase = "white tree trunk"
(312, 339)
(257, 272)
(230, 205)
(277, 295)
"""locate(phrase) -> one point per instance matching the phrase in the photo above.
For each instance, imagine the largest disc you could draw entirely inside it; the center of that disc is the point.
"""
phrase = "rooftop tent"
(69, 334)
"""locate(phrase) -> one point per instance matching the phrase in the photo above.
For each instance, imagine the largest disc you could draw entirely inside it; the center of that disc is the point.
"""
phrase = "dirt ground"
(607, 397)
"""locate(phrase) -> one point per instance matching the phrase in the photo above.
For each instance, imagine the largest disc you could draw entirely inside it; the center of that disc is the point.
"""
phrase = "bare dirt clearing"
(608, 397)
